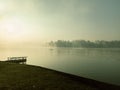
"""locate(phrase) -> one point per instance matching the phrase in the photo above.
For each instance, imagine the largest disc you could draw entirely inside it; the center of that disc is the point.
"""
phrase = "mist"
(46, 20)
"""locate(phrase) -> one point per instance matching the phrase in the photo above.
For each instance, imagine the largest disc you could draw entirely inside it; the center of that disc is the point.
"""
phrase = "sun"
(13, 28)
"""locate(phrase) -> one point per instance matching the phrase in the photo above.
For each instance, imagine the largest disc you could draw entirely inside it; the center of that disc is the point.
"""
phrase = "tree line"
(85, 44)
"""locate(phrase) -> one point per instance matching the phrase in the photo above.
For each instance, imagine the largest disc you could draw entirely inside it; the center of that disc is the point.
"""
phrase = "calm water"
(99, 64)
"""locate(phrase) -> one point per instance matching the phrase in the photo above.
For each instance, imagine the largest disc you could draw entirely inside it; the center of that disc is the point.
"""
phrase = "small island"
(85, 44)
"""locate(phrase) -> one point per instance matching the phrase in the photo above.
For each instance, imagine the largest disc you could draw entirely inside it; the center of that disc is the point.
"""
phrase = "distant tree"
(51, 43)
(86, 44)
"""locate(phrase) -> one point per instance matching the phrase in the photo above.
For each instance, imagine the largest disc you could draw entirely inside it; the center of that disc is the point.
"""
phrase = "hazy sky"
(44, 20)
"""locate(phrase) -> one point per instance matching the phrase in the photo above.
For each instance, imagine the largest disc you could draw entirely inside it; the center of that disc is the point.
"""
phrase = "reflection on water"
(99, 64)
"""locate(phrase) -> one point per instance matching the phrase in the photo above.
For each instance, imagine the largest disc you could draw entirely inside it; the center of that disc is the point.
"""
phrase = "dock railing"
(20, 60)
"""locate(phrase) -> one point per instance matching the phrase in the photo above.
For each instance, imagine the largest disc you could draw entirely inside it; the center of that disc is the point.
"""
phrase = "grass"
(27, 77)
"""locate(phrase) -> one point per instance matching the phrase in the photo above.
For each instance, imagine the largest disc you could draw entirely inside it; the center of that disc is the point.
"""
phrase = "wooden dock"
(20, 60)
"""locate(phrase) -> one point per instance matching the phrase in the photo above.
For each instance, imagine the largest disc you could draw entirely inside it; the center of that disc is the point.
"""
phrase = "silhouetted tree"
(86, 44)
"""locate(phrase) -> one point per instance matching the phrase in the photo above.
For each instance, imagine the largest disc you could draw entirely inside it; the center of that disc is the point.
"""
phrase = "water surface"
(101, 64)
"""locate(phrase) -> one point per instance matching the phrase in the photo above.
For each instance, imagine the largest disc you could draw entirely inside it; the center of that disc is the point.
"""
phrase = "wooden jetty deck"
(20, 60)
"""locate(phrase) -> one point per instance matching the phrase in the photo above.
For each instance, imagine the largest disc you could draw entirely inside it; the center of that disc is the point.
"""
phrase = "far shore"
(28, 77)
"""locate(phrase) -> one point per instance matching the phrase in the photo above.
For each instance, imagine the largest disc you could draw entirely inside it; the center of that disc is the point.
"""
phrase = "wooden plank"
(19, 60)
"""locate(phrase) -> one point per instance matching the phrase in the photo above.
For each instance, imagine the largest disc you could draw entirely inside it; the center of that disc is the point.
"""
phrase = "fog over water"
(46, 20)
(26, 26)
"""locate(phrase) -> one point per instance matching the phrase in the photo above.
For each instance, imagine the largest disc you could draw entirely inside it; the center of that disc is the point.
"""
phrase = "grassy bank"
(26, 77)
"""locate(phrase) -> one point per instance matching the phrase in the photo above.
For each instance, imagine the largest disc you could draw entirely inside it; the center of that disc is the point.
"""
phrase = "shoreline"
(42, 77)
(91, 82)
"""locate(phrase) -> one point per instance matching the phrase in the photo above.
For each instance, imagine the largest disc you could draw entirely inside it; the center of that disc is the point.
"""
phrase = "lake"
(101, 64)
